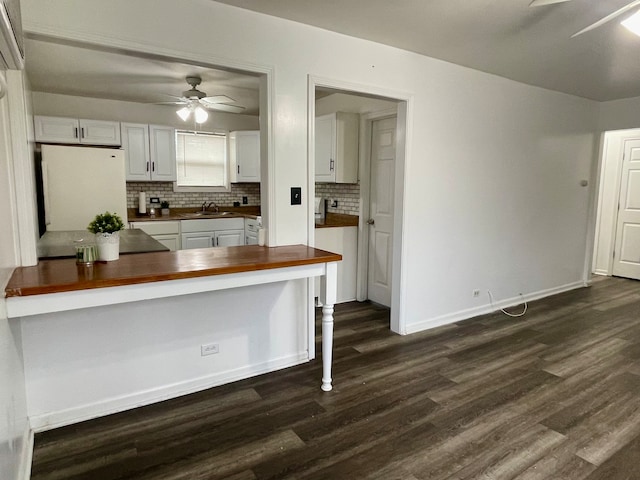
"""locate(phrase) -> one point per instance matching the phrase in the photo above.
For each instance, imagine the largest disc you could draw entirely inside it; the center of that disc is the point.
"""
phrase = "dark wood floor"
(552, 395)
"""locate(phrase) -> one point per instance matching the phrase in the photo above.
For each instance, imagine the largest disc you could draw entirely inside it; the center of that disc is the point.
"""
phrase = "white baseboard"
(600, 271)
(27, 455)
(51, 420)
(488, 308)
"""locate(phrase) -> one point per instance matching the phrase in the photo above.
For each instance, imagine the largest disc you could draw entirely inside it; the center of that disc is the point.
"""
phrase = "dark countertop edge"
(177, 214)
(333, 220)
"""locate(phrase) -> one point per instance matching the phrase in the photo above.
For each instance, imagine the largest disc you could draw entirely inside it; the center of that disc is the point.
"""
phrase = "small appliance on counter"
(321, 208)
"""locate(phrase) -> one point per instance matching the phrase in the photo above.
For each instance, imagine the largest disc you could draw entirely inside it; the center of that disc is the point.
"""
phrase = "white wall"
(492, 196)
(619, 114)
(14, 428)
(101, 109)
(90, 362)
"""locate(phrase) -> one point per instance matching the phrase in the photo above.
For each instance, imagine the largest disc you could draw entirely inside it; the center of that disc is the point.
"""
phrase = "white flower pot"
(108, 246)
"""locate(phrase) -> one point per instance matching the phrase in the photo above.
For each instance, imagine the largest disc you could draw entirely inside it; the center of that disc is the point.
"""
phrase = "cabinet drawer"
(211, 224)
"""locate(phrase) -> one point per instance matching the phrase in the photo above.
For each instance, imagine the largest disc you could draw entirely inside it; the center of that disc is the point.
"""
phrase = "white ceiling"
(72, 70)
(503, 37)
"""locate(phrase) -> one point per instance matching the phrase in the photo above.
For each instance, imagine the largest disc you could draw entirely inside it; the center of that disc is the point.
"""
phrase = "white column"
(329, 290)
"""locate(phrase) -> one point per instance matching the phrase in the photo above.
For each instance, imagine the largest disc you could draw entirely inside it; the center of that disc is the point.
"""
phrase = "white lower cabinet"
(167, 233)
(342, 240)
(218, 232)
(251, 231)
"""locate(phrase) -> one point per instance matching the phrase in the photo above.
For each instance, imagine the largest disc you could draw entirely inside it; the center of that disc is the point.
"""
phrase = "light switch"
(296, 195)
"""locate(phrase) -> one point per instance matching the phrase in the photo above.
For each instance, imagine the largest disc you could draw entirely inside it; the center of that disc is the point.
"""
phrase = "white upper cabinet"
(336, 148)
(150, 152)
(162, 146)
(244, 156)
(76, 131)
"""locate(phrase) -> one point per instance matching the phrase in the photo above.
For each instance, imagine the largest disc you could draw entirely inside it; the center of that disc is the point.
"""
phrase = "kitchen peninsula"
(132, 332)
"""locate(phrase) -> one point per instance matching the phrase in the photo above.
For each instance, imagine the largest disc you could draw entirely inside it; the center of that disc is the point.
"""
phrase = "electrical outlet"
(245, 200)
(476, 293)
(154, 200)
(209, 349)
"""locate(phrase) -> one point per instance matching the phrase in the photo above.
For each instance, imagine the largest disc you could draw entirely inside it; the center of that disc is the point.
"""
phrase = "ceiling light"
(632, 23)
(183, 113)
(200, 114)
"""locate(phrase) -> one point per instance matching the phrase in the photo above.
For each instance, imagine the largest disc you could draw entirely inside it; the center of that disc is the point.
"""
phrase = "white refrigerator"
(80, 182)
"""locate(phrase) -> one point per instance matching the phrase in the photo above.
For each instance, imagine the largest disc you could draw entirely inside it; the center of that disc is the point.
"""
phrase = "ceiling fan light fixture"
(632, 23)
(200, 114)
(183, 113)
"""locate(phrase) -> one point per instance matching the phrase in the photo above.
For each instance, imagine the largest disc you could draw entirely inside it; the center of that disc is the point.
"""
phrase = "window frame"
(206, 189)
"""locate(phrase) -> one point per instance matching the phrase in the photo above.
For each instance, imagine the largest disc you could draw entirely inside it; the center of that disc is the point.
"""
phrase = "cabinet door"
(244, 152)
(163, 153)
(97, 132)
(251, 239)
(197, 240)
(135, 142)
(172, 242)
(325, 148)
(56, 129)
(229, 238)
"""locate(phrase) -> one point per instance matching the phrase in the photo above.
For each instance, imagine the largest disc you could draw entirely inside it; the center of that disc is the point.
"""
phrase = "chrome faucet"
(204, 206)
(216, 208)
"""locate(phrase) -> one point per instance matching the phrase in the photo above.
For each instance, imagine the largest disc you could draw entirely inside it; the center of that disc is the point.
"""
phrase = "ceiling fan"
(197, 102)
(602, 21)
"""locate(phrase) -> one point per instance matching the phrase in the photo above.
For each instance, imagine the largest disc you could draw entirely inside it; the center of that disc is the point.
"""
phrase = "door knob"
(371, 221)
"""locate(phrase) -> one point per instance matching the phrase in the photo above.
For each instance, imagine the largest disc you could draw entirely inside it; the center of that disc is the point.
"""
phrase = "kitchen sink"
(201, 214)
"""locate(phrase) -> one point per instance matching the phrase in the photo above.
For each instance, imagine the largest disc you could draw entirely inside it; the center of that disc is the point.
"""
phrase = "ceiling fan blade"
(540, 3)
(170, 103)
(218, 99)
(608, 18)
(222, 107)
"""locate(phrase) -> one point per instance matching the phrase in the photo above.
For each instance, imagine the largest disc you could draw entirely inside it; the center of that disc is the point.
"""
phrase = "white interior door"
(626, 261)
(383, 157)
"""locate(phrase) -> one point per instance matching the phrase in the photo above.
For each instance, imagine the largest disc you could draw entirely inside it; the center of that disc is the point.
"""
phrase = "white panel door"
(626, 262)
(383, 156)
(98, 132)
(56, 129)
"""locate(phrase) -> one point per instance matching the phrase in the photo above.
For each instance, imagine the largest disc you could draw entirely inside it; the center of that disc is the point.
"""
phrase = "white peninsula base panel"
(95, 352)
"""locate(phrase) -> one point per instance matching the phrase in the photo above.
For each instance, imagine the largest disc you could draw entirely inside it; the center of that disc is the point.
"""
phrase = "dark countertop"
(63, 275)
(60, 244)
(337, 220)
(248, 211)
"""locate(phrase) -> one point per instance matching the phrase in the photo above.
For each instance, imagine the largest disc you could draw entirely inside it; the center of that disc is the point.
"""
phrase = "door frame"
(403, 141)
(608, 195)
(364, 169)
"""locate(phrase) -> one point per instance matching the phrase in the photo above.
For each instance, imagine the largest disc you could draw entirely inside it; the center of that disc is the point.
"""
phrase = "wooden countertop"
(61, 244)
(337, 220)
(63, 275)
(250, 211)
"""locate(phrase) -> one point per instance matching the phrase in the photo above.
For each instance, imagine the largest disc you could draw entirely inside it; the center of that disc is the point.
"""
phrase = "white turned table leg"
(327, 346)
(329, 291)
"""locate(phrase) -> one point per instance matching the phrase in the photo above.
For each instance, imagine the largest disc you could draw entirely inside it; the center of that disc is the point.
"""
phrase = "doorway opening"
(356, 163)
(616, 249)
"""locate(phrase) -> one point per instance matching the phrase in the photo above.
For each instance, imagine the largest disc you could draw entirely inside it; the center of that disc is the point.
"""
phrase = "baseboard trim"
(599, 271)
(488, 308)
(27, 454)
(41, 423)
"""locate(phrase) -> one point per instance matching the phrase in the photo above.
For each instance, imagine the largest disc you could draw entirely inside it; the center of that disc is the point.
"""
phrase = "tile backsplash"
(347, 195)
(164, 190)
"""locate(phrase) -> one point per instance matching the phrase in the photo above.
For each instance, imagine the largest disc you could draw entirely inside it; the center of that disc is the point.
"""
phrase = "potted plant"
(164, 207)
(106, 227)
